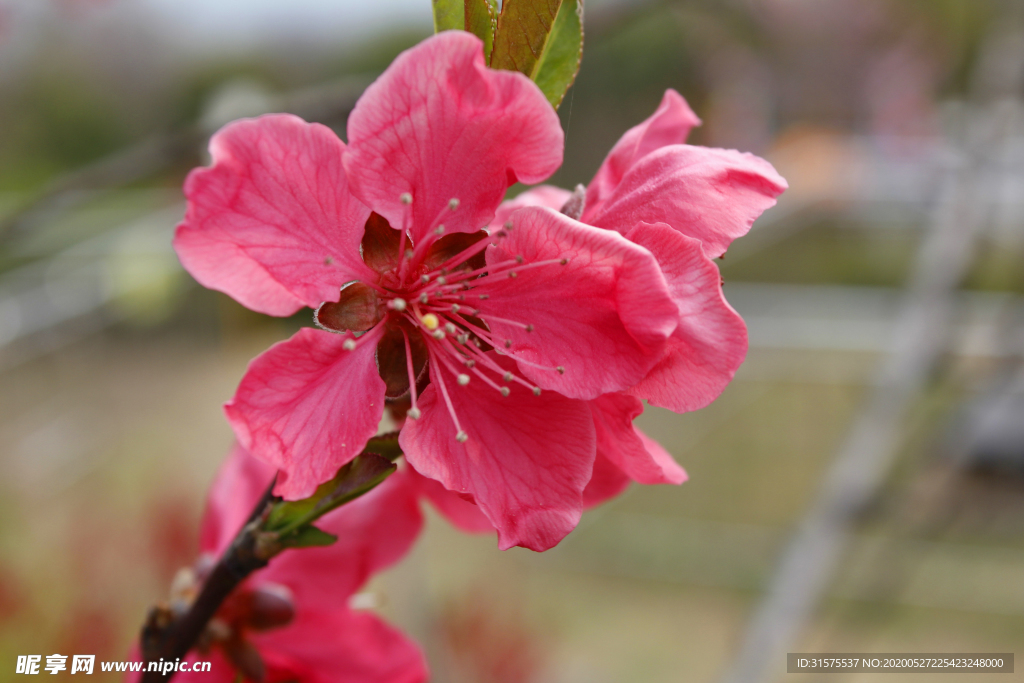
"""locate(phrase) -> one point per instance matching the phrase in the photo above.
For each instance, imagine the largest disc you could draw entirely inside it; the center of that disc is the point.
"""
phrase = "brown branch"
(167, 639)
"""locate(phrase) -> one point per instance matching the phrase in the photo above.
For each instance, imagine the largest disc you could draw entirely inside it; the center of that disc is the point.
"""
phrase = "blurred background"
(858, 488)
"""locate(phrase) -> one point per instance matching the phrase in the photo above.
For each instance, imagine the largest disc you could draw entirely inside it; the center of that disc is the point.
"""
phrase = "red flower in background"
(291, 621)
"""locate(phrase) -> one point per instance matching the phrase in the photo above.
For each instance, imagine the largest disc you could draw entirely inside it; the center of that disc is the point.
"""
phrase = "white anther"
(453, 203)
(561, 370)
(405, 198)
(439, 230)
(430, 321)
(450, 329)
(409, 253)
(398, 304)
(470, 363)
(505, 391)
(476, 343)
(442, 280)
(349, 345)
(484, 297)
(513, 274)
(536, 391)
(425, 278)
(455, 308)
(529, 328)
(508, 377)
(463, 380)
(423, 297)
(414, 413)
(462, 338)
(476, 311)
(461, 437)
(437, 334)
(519, 258)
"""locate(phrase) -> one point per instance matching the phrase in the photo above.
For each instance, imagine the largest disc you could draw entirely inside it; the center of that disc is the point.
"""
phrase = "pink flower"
(292, 621)
(685, 205)
(496, 339)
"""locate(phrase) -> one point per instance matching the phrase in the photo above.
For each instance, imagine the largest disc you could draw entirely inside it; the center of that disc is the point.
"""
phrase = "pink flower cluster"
(515, 339)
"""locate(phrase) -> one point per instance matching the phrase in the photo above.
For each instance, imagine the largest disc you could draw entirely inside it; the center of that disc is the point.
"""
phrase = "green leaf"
(542, 39)
(307, 537)
(481, 21)
(351, 481)
(448, 14)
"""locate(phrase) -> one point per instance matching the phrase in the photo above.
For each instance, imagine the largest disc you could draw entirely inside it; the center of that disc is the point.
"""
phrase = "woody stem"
(171, 641)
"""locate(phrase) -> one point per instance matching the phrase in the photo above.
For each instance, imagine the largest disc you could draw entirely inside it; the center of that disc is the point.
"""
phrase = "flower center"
(430, 306)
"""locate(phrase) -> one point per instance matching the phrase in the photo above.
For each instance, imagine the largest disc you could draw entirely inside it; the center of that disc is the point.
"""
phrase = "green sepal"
(542, 39)
(307, 537)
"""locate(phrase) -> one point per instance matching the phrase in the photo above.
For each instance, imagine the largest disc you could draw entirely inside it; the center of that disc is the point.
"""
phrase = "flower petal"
(670, 124)
(374, 531)
(307, 406)
(607, 482)
(713, 195)
(525, 463)
(621, 443)
(541, 195)
(709, 344)
(271, 223)
(440, 125)
(340, 646)
(464, 514)
(604, 316)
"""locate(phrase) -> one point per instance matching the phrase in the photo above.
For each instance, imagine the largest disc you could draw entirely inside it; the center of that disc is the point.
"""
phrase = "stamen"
(439, 230)
(560, 369)
(328, 260)
(405, 198)
(430, 321)
(425, 278)
(349, 345)
(455, 308)
(437, 334)
(453, 203)
(450, 328)
(461, 437)
(397, 304)
(519, 258)
(512, 274)
(536, 391)
(505, 391)
(508, 377)
(412, 376)
(408, 253)
(463, 380)
(447, 399)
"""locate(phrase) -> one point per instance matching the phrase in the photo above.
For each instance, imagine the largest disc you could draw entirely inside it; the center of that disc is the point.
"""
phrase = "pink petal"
(340, 646)
(607, 482)
(271, 223)
(440, 125)
(713, 195)
(307, 406)
(526, 462)
(622, 444)
(464, 514)
(239, 484)
(710, 342)
(604, 316)
(670, 124)
(543, 195)
(374, 531)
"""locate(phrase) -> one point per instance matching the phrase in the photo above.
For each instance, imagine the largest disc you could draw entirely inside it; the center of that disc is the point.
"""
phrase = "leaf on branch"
(353, 480)
(479, 17)
(307, 537)
(542, 39)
